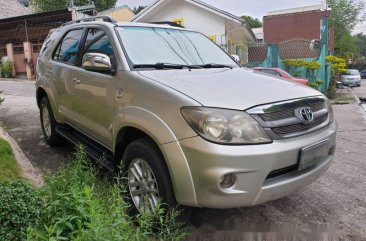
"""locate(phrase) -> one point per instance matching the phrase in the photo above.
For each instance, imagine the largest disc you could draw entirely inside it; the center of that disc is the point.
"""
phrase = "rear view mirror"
(97, 62)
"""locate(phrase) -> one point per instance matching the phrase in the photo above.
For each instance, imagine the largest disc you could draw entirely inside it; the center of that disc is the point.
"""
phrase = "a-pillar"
(28, 56)
(10, 54)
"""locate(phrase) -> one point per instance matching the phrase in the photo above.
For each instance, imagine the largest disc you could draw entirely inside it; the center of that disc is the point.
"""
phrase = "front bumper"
(251, 164)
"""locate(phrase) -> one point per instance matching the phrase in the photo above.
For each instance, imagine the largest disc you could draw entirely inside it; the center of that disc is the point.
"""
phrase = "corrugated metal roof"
(12, 8)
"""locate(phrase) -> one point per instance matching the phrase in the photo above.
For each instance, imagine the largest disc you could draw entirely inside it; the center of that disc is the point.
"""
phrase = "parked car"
(351, 78)
(187, 123)
(281, 73)
(363, 74)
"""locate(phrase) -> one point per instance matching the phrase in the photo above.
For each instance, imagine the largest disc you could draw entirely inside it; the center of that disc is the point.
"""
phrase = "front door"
(96, 91)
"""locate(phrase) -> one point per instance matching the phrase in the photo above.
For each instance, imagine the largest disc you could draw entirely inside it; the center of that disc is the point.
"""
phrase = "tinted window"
(97, 41)
(67, 50)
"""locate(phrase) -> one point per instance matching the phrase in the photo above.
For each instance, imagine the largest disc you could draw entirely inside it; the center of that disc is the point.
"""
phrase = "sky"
(253, 8)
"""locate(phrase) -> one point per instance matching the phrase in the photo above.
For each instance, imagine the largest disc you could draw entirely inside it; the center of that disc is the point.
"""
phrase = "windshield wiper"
(166, 66)
(213, 65)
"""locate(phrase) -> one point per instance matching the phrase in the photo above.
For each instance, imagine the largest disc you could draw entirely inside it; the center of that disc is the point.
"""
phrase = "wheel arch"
(140, 123)
(40, 94)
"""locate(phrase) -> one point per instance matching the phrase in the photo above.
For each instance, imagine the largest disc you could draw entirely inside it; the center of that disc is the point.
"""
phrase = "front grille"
(282, 120)
(273, 116)
(285, 130)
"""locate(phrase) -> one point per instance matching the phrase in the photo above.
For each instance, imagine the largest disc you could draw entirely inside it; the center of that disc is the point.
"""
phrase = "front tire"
(148, 179)
(49, 124)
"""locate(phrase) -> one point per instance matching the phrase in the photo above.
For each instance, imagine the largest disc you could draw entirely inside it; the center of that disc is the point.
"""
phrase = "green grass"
(83, 203)
(9, 169)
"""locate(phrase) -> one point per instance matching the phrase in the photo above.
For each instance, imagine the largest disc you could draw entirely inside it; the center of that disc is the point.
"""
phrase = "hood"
(236, 88)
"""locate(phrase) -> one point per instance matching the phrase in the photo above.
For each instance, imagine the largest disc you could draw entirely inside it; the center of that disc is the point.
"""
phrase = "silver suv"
(189, 125)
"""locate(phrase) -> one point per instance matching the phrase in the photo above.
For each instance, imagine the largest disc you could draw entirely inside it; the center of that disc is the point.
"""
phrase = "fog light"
(227, 180)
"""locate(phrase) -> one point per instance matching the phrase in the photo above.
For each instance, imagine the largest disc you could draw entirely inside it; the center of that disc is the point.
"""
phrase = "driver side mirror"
(97, 62)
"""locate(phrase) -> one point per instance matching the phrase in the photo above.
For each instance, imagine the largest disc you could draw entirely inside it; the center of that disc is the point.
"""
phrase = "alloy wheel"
(143, 186)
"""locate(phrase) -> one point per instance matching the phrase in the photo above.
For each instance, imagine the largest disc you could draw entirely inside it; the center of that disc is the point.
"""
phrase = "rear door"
(64, 61)
(94, 91)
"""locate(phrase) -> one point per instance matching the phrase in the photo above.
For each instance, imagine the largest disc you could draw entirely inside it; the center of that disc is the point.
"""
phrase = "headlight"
(225, 126)
(330, 110)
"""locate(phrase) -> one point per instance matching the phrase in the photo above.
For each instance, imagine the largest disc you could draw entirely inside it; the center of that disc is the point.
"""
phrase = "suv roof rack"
(173, 24)
(95, 18)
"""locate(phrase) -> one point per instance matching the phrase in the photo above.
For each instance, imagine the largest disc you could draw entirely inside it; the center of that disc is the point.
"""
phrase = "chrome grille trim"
(280, 120)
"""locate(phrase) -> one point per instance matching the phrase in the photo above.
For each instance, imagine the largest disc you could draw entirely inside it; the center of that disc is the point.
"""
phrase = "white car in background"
(351, 78)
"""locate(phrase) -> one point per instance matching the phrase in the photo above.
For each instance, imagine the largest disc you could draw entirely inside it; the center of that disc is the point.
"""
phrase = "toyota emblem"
(306, 114)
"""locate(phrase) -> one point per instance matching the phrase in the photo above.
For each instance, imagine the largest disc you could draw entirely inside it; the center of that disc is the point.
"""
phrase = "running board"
(94, 150)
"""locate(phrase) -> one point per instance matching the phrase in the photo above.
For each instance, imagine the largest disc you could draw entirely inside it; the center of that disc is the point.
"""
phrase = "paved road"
(338, 198)
(20, 116)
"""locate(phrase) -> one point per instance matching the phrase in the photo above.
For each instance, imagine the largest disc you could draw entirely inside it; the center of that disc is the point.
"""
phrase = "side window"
(67, 50)
(97, 41)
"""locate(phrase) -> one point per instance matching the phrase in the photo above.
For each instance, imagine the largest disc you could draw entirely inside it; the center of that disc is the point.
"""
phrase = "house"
(11, 8)
(223, 28)
(296, 23)
(258, 32)
(121, 14)
(21, 37)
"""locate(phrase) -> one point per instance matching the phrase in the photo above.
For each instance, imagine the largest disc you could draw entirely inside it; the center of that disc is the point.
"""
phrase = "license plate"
(314, 154)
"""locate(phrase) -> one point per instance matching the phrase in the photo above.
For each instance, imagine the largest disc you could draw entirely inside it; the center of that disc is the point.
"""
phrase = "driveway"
(337, 199)
(20, 116)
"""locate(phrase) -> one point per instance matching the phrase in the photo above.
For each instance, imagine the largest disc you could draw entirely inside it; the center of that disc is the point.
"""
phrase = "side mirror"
(97, 62)
(235, 57)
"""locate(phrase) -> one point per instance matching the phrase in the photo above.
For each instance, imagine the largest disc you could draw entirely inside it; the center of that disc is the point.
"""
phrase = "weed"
(81, 205)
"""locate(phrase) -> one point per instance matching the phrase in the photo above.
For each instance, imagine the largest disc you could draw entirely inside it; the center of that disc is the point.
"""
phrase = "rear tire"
(148, 179)
(49, 124)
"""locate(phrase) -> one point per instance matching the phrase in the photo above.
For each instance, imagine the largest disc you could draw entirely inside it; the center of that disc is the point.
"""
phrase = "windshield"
(352, 72)
(151, 46)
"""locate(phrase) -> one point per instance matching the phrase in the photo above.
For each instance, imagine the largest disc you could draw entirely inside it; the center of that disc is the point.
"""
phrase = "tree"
(345, 46)
(345, 14)
(360, 40)
(338, 66)
(137, 10)
(51, 5)
(253, 22)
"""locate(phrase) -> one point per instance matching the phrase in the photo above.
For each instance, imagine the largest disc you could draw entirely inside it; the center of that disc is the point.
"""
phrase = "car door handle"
(76, 81)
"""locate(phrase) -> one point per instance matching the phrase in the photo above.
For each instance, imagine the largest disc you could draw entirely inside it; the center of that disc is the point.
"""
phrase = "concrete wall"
(121, 15)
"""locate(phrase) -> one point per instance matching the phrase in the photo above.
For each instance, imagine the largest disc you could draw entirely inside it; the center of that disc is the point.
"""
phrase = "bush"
(80, 204)
(7, 69)
(20, 206)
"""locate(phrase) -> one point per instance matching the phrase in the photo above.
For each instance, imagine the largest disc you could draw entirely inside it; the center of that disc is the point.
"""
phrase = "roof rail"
(95, 18)
(173, 24)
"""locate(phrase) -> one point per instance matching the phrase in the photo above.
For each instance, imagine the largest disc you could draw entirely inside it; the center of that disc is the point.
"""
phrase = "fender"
(49, 88)
(160, 132)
